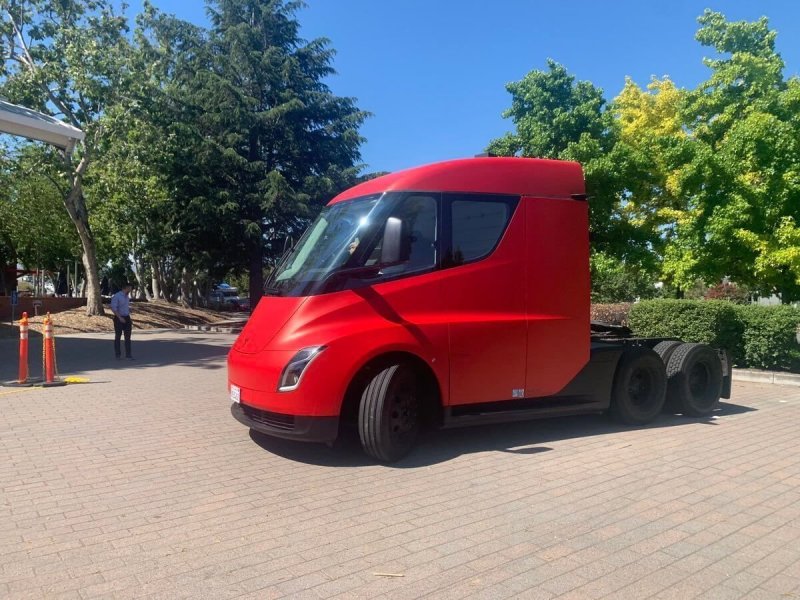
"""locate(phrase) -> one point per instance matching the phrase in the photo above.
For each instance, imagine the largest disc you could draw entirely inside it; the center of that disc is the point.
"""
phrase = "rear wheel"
(389, 413)
(665, 349)
(640, 385)
(694, 374)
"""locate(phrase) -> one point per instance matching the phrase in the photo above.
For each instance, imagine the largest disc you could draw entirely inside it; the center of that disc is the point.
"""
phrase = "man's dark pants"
(119, 329)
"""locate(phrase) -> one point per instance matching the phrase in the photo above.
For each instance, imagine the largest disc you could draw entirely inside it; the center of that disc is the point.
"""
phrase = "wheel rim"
(403, 412)
(699, 378)
(640, 388)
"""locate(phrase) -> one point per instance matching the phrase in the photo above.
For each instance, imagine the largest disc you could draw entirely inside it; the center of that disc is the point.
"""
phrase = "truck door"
(557, 268)
(483, 287)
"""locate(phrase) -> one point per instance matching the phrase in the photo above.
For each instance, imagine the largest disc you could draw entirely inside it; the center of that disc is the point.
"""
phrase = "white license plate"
(236, 393)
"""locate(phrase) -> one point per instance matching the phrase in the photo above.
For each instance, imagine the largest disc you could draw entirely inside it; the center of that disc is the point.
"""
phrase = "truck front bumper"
(290, 427)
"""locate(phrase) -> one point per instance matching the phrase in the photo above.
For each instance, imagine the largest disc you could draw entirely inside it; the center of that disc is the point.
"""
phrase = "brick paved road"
(140, 484)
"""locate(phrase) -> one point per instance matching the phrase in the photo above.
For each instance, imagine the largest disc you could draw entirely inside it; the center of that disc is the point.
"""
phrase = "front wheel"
(640, 386)
(389, 414)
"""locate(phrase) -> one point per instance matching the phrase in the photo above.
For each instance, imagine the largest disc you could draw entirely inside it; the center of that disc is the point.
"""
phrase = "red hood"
(269, 317)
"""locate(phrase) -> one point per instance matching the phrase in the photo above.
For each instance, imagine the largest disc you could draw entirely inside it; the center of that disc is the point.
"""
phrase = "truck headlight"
(293, 371)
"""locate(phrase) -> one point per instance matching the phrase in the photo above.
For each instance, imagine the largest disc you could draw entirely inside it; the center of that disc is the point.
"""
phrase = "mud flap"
(727, 373)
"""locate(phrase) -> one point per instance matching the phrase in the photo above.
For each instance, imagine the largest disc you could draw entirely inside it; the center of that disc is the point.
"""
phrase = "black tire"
(694, 380)
(640, 386)
(389, 413)
(665, 349)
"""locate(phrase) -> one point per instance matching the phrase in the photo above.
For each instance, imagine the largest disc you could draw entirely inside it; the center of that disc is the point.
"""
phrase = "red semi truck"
(451, 294)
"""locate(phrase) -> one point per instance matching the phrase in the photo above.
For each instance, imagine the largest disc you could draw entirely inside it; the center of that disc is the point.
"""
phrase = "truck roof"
(489, 175)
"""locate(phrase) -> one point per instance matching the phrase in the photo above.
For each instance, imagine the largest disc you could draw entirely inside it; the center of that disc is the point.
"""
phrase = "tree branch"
(56, 184)
(32, 66)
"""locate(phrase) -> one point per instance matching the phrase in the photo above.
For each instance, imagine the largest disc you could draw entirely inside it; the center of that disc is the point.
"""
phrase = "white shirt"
(121, 304)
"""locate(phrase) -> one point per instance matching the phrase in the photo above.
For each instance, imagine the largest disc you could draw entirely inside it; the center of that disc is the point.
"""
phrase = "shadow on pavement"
(84, 354)
(437, 446)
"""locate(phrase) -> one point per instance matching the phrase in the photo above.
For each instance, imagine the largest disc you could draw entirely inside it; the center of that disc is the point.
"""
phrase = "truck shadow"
(438, 446)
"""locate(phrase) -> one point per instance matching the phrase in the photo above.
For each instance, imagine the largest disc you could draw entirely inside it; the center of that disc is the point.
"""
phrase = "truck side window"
(476, 224)
(418, 246)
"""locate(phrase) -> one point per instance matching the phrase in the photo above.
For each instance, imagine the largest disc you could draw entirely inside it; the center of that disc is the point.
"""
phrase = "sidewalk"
(141, 485)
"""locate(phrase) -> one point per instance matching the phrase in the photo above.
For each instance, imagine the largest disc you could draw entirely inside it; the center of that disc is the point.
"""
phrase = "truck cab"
(438, 295)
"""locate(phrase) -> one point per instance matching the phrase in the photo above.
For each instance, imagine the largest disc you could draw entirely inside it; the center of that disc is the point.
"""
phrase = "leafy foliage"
(209, 146)
(728, 291)
(740, 181)
(65, 57)
(713, 322)
(615, 281)
(557, 117)
(763, 337)
(770, 336)
(269, 143)
(683, 184)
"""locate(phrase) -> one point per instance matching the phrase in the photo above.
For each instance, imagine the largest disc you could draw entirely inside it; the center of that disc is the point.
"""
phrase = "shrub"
(614, 314)
(713, 322)
(728, 291)
(770, 336)
(762, 337)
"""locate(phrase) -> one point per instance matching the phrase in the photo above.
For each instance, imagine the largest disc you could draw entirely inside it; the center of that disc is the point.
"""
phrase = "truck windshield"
(346, 238)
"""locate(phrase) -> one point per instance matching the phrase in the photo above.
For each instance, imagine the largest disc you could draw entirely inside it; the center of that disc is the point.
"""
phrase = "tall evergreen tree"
(283, 139)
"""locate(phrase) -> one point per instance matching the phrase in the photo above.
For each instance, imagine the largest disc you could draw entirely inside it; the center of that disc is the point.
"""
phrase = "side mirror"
(392, 235)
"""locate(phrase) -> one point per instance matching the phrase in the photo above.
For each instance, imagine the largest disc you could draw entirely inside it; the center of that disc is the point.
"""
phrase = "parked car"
(224, 298)
(244, 304)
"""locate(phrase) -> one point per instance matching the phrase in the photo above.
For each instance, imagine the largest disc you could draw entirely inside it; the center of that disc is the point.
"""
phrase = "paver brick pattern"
(141, 485)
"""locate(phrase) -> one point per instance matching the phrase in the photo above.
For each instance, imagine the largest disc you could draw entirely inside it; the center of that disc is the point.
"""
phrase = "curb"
(771, 377)
(213, 328)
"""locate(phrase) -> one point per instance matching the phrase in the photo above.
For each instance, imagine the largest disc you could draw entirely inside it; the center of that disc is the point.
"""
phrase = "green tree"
(283, 141)
(8, 253)
(63, 57)
(556, 117)
(741, 179)
(41, 233)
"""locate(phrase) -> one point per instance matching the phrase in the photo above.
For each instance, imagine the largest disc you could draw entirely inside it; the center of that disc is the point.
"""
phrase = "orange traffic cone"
(23, 378)
(23, 349)
(49, 351)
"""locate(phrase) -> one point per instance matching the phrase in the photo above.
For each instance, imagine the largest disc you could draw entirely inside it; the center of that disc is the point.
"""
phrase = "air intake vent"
(271, 419)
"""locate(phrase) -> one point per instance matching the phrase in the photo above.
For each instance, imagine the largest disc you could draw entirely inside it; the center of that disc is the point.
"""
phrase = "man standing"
(121, 307)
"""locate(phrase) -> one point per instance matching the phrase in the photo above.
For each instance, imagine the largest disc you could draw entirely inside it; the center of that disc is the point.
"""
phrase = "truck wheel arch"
(371, 366)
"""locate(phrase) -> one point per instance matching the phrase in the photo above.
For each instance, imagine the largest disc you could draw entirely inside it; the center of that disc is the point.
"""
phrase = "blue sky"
(433, 72)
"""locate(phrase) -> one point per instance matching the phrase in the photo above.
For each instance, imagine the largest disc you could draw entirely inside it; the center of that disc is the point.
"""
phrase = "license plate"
(236, 393)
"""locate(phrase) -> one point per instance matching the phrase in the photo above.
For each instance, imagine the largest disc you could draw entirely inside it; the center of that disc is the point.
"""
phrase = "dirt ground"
(145, 315)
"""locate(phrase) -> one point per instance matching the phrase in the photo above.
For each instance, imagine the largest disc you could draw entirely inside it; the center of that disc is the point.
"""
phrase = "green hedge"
(712, 322)
(770, 336)
(762, 337)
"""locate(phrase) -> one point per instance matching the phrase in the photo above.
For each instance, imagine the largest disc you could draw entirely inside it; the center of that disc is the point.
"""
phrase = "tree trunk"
(138, 271)
(156, 280)
(168, 283)
(142, 282)
(75, 204)
(195, 294)
(256, 269)
(173, 286)
(186, 285)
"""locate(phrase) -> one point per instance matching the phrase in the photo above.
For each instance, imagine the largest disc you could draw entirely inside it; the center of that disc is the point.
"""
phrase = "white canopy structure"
(24, 122)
